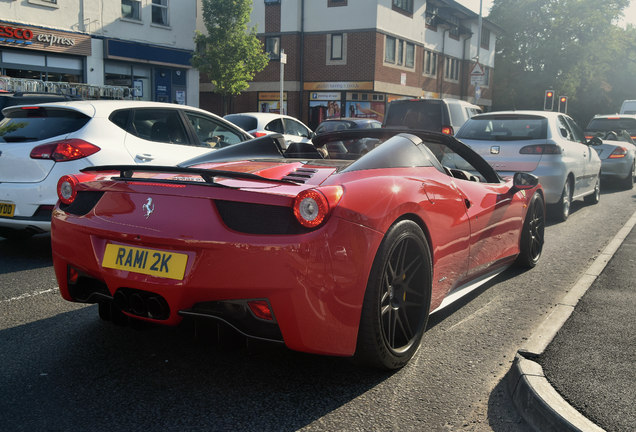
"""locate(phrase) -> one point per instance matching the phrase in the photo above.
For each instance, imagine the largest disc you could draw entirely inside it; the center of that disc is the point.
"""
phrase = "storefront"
(40, 54)
(156, 73)
(343, 99)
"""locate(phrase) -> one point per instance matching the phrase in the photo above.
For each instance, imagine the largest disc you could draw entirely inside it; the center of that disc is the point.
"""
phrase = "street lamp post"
(283, 60)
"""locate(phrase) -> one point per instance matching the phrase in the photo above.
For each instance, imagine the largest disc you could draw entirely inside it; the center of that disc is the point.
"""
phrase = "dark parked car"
(332, 125)
(438, 115)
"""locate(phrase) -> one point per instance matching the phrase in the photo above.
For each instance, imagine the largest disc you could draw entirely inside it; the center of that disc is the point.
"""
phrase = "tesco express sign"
(14, 32)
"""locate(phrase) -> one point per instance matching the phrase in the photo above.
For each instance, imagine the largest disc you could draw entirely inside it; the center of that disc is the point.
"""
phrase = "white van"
(628, 107)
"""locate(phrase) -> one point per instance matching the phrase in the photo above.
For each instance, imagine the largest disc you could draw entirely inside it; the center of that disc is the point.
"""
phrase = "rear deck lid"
(500, 138)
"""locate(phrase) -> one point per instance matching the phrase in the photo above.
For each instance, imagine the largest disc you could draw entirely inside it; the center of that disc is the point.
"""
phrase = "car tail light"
(589, 137)
(619, 152)
(541, 149)
(313, 206)
(67, 188)
(259, 134)
(65, 150)
(261, 309)
(447, 130)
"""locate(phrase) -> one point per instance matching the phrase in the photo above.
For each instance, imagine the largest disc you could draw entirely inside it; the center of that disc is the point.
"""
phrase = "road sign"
(477, 70)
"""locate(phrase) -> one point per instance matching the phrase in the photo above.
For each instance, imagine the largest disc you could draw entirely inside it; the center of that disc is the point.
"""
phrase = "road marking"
(27, 295)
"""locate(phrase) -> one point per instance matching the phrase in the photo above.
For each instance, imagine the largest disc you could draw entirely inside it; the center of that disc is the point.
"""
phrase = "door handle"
(145, 157)
(467, 203)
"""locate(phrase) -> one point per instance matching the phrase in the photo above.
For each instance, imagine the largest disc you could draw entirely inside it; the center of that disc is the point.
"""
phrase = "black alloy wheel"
(532, 234)
(628, 182)
(397, 299)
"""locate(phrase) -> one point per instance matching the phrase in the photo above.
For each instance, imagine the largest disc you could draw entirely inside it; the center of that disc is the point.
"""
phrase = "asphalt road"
(65, 370)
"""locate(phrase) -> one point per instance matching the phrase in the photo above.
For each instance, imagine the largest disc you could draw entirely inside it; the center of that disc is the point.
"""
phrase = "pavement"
(577, 372)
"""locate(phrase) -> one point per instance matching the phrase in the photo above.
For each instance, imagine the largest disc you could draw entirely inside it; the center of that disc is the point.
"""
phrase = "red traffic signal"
(548, 102)
(563, 104)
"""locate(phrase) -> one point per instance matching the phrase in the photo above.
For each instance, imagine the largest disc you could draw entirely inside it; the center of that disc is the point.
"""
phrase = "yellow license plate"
(151, 262)
(7, 209)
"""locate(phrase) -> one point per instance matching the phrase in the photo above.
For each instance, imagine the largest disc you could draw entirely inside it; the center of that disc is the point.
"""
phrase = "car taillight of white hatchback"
(64, 150)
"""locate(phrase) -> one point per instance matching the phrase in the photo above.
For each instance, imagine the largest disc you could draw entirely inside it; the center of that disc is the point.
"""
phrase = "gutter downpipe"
(441, 76)
(302, 60)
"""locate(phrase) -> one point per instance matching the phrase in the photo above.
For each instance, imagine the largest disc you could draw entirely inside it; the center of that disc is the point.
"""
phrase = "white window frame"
(451, 69)
(429, 63)
(163, 7)
(331, 38)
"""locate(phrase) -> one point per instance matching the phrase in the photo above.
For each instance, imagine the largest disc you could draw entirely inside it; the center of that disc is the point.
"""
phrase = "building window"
(410, 55)
(485, 38)
(403, 6)
(451, 69)
(454, 30)
(336, 46)
(389, 49)
(335, 3)
(429, 67)
(400, 52)
(160, 12)
(131, 9)
(271, 2)
(272, 47)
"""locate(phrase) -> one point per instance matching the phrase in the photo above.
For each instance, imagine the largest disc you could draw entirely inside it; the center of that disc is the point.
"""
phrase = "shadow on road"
(72, 372)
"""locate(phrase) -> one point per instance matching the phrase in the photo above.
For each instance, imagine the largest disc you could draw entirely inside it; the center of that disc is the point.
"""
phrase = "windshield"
(504, 128)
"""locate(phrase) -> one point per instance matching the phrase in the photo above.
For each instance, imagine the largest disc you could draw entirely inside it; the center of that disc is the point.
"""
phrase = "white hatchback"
(41, 143)
(260, 124)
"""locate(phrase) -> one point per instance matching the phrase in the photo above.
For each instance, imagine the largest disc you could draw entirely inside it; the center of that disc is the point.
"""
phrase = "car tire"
(595, 197)
(562, 208)
(532, 234)
(628, 182)
(391, 327)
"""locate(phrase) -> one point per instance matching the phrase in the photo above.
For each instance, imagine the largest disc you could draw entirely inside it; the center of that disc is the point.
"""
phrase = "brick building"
(352, 57)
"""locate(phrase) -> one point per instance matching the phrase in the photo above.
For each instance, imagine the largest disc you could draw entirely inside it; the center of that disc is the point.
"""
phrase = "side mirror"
(595, 141)
(564, 132)
(523, 180)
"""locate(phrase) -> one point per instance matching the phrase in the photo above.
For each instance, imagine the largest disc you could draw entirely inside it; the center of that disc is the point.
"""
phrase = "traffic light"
(548, 103)
(563, 104)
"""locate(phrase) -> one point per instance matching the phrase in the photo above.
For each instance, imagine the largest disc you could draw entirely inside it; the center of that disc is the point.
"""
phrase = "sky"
(630, 12)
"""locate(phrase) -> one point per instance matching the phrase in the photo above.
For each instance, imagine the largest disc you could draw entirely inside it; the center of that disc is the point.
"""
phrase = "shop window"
(131, 9)
(430, 63)
(160, 12)
(272, 47)
(389, 49)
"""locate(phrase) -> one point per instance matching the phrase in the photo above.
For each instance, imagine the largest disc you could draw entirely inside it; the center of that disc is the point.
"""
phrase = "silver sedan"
(547, 144)
(618, 157)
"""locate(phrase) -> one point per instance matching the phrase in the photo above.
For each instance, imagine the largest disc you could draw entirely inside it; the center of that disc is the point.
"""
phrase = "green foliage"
(571, 46)
(229, 54)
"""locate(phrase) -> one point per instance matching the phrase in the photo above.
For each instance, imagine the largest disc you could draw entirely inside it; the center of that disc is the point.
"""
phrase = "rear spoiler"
(126, 172)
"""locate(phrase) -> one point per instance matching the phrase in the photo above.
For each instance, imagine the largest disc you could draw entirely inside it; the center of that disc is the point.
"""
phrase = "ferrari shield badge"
(148, 207)
(494, 149)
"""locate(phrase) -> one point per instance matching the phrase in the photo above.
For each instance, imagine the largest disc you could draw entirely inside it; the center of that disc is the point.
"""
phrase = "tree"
(229, 54)
(571, 46)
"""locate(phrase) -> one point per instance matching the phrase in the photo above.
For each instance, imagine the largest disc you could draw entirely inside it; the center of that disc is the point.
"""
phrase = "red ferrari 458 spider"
(341, 247)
